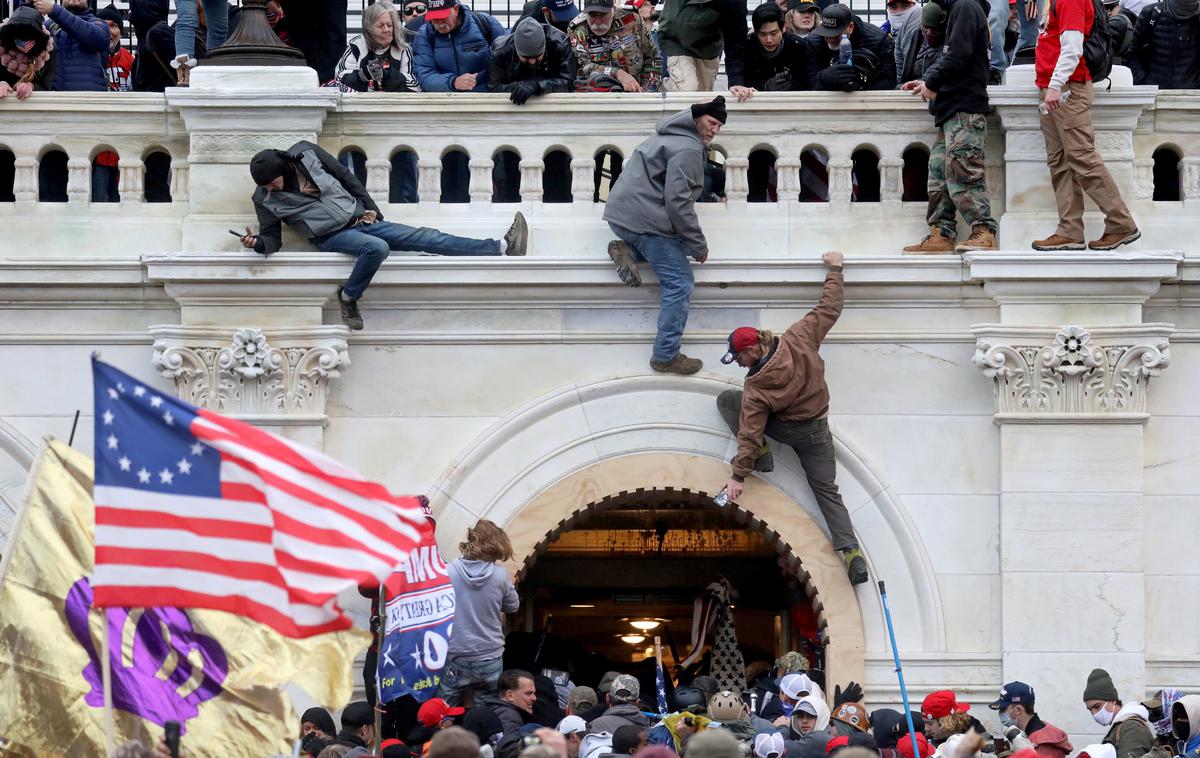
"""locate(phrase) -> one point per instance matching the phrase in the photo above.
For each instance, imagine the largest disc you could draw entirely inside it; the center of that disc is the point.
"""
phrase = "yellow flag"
(219, 675)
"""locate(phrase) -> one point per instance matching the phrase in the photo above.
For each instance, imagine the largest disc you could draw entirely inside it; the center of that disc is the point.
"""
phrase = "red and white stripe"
(291, 530)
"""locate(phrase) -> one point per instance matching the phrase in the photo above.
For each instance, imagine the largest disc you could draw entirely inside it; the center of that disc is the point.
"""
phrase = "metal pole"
(74, 425)
(887, 614)
(377, 747)
(106, 684)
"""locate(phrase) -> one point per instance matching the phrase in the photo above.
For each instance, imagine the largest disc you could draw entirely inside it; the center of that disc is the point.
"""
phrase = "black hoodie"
(959, 75)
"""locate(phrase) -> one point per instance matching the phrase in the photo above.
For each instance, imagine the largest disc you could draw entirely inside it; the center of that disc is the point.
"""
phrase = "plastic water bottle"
(722, 498)
(1063, 101)
(845, 50)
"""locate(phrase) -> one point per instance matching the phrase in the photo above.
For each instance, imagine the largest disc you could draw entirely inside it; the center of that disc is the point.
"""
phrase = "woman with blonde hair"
(483, 591)
(380, 59)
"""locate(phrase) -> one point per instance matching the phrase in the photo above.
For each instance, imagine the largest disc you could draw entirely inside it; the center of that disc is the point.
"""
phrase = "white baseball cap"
(572, 725)
(796, 686)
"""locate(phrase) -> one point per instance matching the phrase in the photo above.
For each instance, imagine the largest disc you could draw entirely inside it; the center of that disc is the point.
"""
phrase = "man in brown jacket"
(785, 397)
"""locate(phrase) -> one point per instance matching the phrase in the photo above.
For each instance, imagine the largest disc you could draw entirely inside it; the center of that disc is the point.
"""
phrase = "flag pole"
(887, 614)
(106, 683)
(377, 749)
(658, 663)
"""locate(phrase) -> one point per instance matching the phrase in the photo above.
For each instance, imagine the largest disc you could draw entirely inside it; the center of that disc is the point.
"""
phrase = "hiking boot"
(981, 238)
(765, 463)
(622, 256)
(1113, 240)
(516, 239)
(855, 563)
(680, 364)
(935, 243)
(350, 315)
(1058, 242)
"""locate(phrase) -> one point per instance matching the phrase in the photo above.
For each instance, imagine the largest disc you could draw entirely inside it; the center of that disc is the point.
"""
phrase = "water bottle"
(1042, 109)
(722, 498)
(845, 50)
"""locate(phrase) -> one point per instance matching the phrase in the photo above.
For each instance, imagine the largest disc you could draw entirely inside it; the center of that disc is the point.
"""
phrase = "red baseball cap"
(904, 746)
(435, 710)
(740, 339)
(940, 704)
(439, 9)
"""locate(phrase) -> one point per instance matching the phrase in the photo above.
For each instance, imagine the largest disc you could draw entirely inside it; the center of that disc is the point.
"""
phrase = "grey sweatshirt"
(660, 183)
(482, 591)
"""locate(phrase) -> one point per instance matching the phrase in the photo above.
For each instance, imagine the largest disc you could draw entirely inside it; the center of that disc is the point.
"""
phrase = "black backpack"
(1097, 43)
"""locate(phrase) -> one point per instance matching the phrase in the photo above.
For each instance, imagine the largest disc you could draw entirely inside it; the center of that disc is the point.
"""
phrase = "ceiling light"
(633, 639)
(582, 605)
(645, 625)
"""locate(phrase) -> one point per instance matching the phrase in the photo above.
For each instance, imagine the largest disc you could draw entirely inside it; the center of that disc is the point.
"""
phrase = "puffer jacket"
(81, 44)
(1165, 49)
(554, 73)
(880, 73)
(702, 28)
(658, 188)
(439, 58)
(791, 383)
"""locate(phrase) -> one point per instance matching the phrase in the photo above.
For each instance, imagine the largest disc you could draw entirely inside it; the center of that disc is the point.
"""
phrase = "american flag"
(196, 510)
(660, 688)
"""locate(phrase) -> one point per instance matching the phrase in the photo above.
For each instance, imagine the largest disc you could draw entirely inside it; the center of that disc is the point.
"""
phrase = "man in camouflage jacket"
(616, 43)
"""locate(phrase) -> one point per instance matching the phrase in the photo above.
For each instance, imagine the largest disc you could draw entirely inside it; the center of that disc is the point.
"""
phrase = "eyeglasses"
(413, 10)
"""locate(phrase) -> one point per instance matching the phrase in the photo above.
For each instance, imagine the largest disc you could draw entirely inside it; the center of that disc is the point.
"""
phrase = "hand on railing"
(22, 90)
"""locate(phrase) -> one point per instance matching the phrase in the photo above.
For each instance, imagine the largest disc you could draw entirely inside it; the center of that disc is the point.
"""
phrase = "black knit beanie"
(714, 108)
(321, 719)
(268, 165)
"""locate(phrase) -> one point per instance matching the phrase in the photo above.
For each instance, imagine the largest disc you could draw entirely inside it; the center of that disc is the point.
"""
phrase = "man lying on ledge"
(305, 187)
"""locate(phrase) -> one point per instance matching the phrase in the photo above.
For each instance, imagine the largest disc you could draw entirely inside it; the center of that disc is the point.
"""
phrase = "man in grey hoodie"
(482, 591)
(652, 211)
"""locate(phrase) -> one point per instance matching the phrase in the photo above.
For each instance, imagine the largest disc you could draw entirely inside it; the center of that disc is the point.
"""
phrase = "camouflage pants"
(956, 175)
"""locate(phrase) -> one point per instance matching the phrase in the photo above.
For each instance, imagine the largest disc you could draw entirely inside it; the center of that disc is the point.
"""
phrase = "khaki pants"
(689, 74)
(1076, 167)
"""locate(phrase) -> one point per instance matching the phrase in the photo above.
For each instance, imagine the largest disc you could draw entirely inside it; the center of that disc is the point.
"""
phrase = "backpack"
(484, 27)
(1097, 43)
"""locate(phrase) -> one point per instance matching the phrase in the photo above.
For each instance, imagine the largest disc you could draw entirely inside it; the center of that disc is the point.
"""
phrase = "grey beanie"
(529, 38)
(1100, 686)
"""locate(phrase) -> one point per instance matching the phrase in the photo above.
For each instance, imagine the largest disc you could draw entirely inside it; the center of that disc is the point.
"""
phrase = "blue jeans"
(371, 244)
(998, 22)
(669, 258)
(458, 676)
(216, 20)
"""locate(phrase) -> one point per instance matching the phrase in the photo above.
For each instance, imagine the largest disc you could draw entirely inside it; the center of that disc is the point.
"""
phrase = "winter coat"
(702, 28)
(783, 73)
(81, 44)
(1165, 50)
(876, 70)
(791, 384)
(1131, 733)
(511, 717)
(595, 744)
(960, 74)
(440, 58)
(396, 65)
(555, 72)
(1120, 31)
(907, 41)
(152, 70)
(311, 220)
(118, 70)
(628, 46)
(1048, 740)
(618, 716)
(660, 183)
(1188, 705)
(482, 591)
(317, 29)
(745, 729)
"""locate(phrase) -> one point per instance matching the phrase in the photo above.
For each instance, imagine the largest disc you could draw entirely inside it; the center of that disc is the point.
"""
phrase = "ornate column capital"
(1073, 374)
(280, 378)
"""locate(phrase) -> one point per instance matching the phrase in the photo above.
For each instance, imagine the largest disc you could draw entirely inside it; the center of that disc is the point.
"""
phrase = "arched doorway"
(626, 569)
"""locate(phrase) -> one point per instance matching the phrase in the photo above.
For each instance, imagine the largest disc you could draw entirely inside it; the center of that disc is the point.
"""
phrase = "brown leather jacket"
(791, 385)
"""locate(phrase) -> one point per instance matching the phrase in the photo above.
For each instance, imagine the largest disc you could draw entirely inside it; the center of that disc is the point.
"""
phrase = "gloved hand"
(852, 694)
(840, 76)
(781, 82)
(524, 91)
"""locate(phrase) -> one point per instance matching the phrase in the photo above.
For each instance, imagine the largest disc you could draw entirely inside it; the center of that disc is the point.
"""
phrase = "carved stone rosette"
(1072, 373)
(248, 373)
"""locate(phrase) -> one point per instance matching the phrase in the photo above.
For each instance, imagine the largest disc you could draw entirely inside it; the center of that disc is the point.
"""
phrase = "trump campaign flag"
(418, 622)
(196, 510)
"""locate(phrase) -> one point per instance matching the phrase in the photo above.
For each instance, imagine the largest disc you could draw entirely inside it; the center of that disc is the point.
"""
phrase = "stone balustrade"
(194, 144)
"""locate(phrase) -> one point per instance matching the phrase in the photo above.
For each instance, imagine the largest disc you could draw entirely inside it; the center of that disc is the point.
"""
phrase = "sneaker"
(680, 364)
(516, 239)
(765, 463)
(934, 243)
(622, 256)
(856, 564)
(350, 315)
(981, 238)
(1058, 242)
(1113, 240)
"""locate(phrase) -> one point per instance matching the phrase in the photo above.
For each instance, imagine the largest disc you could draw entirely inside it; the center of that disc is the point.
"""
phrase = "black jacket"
(1165, 50)
(874, 60)
(761, 72)
(533, 10)
(317, 29)
(959, 76)
(270, 233)
(555, 72)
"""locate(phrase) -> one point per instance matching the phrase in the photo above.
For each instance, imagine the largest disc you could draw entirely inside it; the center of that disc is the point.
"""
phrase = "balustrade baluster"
(531, 179)
(583, 187)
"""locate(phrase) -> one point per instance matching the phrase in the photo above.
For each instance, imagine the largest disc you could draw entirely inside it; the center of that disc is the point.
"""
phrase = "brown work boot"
(1113, 240)
(680, 364)
(981, 238)
(1058, 242)
(935, 243)
(626, 265)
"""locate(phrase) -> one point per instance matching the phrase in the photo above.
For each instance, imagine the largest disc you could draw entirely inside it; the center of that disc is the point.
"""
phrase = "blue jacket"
(439, 58)
(80, 42)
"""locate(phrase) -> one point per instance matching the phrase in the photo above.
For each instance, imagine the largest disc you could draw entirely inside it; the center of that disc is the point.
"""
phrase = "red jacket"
(1050, 742)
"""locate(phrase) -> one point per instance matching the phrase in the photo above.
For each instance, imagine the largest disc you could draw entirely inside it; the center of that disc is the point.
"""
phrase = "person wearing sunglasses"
(380, 59)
